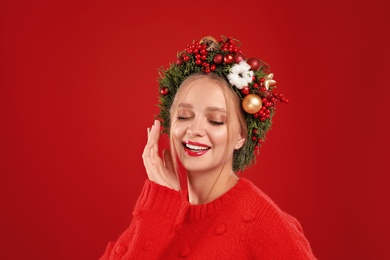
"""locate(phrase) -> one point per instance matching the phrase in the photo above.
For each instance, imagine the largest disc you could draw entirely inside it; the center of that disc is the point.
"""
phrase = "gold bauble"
(252, 103)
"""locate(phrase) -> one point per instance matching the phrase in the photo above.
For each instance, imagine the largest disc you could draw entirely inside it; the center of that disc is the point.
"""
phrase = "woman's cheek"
(219, 135)
(178, 130)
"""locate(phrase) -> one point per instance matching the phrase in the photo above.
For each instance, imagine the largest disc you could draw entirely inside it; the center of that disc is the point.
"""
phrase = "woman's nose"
(196, 128)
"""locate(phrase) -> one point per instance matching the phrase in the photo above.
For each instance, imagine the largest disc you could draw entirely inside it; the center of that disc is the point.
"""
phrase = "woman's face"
(200, 131)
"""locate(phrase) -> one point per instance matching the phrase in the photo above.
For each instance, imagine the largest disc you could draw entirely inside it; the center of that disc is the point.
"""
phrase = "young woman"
(215, 113)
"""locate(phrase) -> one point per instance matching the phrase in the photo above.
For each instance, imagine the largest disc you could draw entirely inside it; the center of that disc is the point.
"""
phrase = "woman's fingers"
(167, 157)
(155, 135)
(151, 158)
(148, 134)
(159, 170)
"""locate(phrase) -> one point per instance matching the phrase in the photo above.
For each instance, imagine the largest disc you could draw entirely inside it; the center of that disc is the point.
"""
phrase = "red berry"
(218, 58)
(254, 138)
(228, 58)
(261, 114)
(213, 67)
(164, 91)
(179, 61)
(245, 90)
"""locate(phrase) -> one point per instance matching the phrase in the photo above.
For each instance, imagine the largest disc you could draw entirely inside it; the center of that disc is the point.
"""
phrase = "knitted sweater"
(243, 223)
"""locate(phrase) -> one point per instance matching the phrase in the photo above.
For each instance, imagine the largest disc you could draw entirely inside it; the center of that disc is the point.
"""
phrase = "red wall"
(78, 88)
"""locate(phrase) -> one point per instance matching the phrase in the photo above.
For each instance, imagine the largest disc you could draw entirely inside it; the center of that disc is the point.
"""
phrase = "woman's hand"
(160, 171)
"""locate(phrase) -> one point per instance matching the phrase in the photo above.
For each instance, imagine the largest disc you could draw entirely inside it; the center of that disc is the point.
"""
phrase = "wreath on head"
(251, 79)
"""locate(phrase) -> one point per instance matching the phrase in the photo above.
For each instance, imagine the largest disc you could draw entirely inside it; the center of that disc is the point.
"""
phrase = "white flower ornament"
(240, 75)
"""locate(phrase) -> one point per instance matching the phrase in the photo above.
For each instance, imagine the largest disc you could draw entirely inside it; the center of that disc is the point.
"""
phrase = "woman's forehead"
(204, 93)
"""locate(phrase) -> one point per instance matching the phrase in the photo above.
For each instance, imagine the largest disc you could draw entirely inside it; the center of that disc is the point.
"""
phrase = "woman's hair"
(233, 107)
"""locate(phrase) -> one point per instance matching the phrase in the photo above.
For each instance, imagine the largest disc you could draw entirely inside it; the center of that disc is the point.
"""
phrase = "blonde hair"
(233, 107)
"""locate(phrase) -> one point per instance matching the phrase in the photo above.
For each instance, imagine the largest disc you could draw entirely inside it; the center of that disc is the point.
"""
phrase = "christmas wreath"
(251, 79)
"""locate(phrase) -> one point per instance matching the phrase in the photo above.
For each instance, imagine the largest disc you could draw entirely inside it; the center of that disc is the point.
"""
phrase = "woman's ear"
(240, 142)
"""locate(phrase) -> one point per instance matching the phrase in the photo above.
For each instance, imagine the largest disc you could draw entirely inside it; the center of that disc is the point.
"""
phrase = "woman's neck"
(206, 187)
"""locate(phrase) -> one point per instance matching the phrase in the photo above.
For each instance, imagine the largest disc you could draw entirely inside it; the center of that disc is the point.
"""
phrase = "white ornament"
(240, 75)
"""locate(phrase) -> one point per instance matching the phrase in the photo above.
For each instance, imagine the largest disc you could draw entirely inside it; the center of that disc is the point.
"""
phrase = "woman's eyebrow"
(209, 109)
(185, 105)
(219, 109)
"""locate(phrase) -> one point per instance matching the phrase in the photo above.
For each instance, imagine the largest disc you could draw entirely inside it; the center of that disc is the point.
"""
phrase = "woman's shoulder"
(270, 228)
(253, 198)
(258, 207)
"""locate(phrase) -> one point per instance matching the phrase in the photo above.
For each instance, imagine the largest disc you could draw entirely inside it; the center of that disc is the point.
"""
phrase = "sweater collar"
(197, 212)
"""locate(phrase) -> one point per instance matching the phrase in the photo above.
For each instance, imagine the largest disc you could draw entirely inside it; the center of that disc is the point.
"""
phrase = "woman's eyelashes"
(214, 122)
(212, 119)
(216, 118)
(181, 118)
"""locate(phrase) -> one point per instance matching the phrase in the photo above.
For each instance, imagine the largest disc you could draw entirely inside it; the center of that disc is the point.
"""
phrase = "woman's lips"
(195, 148)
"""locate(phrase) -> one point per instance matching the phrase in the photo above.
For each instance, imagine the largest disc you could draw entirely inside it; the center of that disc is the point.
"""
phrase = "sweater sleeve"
(151, 227)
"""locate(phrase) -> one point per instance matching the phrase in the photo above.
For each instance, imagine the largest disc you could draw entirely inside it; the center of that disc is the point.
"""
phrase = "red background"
(78, 88)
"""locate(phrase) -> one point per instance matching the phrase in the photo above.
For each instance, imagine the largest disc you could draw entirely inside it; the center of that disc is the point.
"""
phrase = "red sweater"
(244, 223)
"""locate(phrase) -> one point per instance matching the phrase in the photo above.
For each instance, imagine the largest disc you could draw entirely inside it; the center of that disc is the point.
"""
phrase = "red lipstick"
(195, 148)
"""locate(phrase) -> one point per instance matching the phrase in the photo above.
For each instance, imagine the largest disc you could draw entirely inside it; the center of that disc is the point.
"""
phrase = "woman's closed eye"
(214, 122)
(183, 117)
(216, 118)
